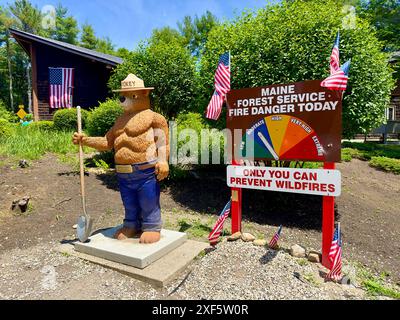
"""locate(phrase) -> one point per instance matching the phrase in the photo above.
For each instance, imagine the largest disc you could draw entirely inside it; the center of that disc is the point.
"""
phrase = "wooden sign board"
(300, 121)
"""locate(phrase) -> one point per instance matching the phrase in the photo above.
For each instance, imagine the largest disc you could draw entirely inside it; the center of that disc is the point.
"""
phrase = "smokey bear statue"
(140, 140)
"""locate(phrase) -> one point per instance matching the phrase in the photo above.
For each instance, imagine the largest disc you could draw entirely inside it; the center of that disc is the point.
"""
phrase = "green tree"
(66, 26)
(105, 45)
(384, 15)
(5, 23)
(168, 67)
(28, 16)
(88, 37)
(289, 42)
(195, 31)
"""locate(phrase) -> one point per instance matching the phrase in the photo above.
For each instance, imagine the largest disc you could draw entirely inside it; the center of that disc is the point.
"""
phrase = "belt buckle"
(124, 168)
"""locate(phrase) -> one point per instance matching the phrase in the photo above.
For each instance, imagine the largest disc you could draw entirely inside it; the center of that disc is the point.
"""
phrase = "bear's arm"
(101, 143)
(161, 137)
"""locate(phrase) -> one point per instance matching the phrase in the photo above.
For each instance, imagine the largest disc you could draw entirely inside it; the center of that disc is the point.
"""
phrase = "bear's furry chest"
(134, 125)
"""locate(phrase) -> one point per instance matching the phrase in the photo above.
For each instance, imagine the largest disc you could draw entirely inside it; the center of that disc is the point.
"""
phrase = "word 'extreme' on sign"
(306, 181)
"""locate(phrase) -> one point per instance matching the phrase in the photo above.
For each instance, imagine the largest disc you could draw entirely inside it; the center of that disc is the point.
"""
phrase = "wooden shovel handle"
(81, 167)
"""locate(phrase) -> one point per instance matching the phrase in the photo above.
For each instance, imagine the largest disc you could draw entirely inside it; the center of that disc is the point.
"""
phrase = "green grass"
(197, 228)
(376, 286)
(32, 143)
(387, 164)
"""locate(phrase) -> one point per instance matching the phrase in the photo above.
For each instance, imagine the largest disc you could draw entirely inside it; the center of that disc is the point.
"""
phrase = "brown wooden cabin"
(92, 71)
(391, 129)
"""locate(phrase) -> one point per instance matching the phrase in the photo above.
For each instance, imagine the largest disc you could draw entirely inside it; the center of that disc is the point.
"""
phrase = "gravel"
(243, 271)
(235, 270)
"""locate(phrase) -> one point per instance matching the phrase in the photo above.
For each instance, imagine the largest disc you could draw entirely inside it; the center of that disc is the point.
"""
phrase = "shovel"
(85, 223)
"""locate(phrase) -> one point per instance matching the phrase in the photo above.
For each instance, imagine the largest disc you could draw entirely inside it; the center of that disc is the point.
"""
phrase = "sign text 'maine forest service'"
(299, 121)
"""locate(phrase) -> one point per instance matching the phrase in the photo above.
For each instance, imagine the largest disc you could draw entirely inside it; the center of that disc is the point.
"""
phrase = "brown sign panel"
(299, 121)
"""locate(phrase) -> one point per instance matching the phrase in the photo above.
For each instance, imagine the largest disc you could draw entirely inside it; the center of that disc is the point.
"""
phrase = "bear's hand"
(77, 138)
(162, 170)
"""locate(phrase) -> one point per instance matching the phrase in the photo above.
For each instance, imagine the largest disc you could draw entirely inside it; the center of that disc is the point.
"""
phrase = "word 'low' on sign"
(306, 181)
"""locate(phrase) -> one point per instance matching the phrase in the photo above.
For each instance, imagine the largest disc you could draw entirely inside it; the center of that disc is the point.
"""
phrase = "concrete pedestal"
(130, 252)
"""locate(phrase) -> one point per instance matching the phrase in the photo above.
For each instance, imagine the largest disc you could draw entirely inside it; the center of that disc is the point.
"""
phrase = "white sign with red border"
(307, 181)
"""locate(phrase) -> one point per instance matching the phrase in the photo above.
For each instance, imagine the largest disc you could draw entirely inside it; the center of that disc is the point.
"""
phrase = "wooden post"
(328, 222)
(34, 84)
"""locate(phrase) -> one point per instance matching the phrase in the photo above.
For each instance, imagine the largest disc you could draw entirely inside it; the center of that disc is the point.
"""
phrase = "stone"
(130, 251)
(297, 251)
(236, 236)
(260, 242)
(314, 256)
(23, 164)
(160, 273)
(248, 237)
(21, 205)
(75, 226)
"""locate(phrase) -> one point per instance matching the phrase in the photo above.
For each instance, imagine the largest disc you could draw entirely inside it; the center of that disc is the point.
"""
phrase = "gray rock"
(260, 242)
(248, 237)
(297, 251)
(235, 236)
(314, 256)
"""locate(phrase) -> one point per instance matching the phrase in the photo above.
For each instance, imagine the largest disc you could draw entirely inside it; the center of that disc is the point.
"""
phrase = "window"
(390, 114)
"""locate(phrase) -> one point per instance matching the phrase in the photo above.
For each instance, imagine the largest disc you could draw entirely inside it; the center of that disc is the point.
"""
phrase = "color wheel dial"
(282, 137)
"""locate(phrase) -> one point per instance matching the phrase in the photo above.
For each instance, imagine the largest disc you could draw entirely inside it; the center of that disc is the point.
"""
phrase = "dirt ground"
(368, 208)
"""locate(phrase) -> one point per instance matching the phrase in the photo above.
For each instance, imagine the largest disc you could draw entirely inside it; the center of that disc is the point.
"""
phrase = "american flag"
(222, 84)
(338, 80)
(335, 60)
(335, 256)
(219, 226)
(274, 241)
(61, 85)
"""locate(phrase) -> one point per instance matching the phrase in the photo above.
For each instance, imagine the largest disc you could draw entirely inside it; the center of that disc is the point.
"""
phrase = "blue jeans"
(140, 193)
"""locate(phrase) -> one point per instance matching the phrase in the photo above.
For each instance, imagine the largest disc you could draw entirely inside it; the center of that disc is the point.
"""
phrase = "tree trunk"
(29, 92)
(10, 80)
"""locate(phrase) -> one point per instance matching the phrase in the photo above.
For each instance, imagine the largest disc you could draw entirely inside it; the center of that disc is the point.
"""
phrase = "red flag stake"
(328, 222)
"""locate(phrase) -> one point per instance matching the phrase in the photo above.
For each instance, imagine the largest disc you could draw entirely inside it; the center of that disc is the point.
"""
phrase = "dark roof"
(101, 57)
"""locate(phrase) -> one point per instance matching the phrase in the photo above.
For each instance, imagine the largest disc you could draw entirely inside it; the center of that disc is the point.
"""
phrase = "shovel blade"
(84, 228)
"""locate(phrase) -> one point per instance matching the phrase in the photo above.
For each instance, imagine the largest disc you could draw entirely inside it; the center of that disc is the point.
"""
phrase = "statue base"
(130, 252)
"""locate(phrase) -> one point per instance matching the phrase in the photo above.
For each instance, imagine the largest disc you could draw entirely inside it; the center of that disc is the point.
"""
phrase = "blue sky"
(127, 22)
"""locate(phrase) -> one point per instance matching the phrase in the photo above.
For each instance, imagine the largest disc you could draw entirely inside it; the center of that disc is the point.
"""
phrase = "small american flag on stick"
(61, 85)
(335, 56)
(274, 241)
(338, 80)
(222, 85)
(219, 226)
(335, 256)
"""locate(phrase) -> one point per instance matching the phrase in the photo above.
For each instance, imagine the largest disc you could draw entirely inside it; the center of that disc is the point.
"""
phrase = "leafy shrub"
(104, 160)
(177, 173)
(103, 118)
(387, 164)
(66, 119)
(29, 117)
(42, 125)
(348, 154)
(6, 128)
(5, 114)
(168, 67)
(365, 151)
